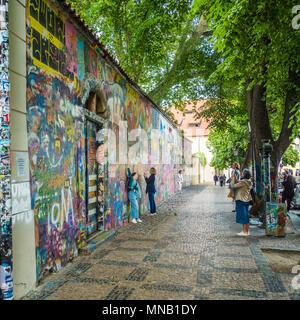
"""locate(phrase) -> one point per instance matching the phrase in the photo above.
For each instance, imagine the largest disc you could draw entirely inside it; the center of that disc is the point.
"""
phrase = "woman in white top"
(179, 180)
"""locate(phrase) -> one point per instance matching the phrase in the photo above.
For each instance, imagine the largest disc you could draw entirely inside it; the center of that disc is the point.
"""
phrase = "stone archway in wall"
(93, 97)
(96, 115)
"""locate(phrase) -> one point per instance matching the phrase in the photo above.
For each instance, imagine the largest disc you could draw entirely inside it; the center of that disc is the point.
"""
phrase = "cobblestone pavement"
(190, 250)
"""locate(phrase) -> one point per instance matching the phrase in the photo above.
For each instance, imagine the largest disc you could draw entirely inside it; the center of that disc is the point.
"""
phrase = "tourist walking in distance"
(222, 180)
(237, 174)
(179, 180)
(150, 189)
(242, 199)
(134, 192)
(215, 179)
(288, 191)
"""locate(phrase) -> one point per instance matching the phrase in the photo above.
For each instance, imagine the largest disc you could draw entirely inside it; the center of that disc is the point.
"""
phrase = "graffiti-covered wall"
(5, 171)
(64, 67)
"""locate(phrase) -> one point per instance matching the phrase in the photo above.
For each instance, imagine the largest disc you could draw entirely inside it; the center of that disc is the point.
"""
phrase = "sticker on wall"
(21, 163)
(6, 288)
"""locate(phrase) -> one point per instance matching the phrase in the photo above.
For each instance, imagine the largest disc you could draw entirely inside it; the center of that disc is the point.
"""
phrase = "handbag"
(230, 194)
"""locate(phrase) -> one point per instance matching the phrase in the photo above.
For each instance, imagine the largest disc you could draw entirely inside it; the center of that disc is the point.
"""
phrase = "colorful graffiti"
(276, 217)
(75, 189)
(6, 290)
(55, 141)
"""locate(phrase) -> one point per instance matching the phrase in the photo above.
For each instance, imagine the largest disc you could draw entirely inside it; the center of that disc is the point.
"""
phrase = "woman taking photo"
(242, 199)
(150, 189)
(134, 192)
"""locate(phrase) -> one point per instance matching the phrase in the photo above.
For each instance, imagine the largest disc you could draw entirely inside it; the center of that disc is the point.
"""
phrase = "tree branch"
(285, 138)
(182, 53)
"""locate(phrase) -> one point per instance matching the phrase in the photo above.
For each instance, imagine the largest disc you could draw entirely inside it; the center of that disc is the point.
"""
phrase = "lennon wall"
(61, 65)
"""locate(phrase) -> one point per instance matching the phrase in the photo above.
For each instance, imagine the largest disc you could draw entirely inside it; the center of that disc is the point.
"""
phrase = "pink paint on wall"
(93, 62)
(71, 44)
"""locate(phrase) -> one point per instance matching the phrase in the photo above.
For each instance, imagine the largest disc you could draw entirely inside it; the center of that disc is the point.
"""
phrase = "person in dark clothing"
(215, 179)
(222, 180)
(150, 189)
(288, 191)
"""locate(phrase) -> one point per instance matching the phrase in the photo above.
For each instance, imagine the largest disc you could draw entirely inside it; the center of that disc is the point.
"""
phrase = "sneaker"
(134, 221)
(139, 220)
(242, 234)
(153, 214)
(233, 210)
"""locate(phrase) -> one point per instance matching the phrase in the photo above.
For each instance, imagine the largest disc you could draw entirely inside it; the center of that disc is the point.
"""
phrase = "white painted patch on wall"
(23, 217)
(20, 195)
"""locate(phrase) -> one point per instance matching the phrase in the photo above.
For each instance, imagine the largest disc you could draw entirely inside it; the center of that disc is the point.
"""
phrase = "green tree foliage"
(260, 62)
(290, 157)
(203, 160)
(222, 143)
(243, 55)
(162, 45)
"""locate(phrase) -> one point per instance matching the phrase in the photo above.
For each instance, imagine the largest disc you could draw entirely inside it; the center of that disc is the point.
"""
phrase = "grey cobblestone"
(228, 255)
(166, 287)
(92, 280)
(118, 293)
(101, 254)
(138, 274)
(204, 278)
(236, 270)
(239, 292)
(152, 256)
(47, 289)
(78, 269)
(134, 249)
(273, 283)
(172, 266)
(190, 250)
(118, 263)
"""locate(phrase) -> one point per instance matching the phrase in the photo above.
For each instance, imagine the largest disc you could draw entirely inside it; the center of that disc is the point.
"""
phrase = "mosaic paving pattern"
(193, 254)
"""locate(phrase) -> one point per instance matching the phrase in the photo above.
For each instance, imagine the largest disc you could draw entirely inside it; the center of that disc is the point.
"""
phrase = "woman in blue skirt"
(242, 199)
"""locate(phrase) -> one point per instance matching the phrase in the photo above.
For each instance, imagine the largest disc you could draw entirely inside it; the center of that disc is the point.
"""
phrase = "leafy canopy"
(162, 45)
(259, 60)
(222, 143)
(290, 157)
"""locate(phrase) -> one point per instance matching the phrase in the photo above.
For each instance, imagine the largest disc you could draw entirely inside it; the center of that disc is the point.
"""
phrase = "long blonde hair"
(153, 171)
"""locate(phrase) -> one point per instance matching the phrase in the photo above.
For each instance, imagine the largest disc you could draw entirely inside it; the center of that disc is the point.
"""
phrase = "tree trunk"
(260, 126)
(248, 157)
